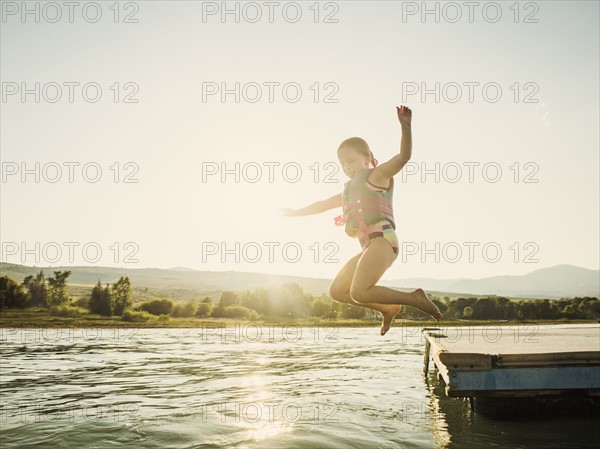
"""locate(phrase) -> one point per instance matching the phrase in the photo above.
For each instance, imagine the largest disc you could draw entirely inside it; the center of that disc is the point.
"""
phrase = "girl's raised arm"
(384, 172)
(315, 208)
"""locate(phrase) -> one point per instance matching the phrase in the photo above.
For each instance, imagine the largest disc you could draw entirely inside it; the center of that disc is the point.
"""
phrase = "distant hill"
(180, 269)
(558, 281)
(553, 282)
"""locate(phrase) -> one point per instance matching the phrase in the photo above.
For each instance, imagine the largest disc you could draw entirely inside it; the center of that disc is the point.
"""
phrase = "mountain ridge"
(562, 280)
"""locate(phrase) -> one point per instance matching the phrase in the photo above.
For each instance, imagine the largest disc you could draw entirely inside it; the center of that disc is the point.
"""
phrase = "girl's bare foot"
(388, 316)
(425, 304)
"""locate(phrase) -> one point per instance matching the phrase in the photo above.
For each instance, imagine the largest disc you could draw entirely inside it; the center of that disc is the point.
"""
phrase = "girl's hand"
(404, 115)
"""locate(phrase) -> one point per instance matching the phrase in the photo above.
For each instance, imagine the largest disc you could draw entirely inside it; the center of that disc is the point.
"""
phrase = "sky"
(163, 134)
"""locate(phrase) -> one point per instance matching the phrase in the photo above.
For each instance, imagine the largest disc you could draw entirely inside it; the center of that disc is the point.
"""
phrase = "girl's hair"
(360, 146)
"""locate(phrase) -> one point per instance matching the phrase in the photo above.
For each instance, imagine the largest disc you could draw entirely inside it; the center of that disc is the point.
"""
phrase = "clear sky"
(516, 87)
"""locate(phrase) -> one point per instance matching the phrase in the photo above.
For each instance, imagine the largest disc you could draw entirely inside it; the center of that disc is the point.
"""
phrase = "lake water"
(254, 387)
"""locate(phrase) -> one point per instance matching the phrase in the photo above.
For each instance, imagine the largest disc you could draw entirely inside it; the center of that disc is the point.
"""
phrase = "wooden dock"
(516, 361)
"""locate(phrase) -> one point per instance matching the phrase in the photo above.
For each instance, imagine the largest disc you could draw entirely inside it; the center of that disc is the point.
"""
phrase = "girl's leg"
(340, 292)
(371, 266)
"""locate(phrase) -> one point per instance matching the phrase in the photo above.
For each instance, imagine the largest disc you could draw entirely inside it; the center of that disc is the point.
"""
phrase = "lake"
(249, 387)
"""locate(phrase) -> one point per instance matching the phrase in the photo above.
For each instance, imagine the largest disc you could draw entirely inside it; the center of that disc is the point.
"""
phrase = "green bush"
(204, 309)
(158, 307)
(135, 316)
(186, 310)
(237, 311)
(11, 294)
(67, 310)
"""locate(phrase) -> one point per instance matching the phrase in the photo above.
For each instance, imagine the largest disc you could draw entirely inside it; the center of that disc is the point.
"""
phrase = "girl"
(368, 215)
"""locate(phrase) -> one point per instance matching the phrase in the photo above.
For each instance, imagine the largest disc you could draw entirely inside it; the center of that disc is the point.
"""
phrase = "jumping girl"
(368, 215)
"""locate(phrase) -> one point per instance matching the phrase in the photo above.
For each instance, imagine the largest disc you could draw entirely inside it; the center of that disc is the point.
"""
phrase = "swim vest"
(363, 206)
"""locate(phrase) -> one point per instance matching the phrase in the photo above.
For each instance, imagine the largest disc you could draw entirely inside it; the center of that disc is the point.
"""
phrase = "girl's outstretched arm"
(384, 172)
(315, 208)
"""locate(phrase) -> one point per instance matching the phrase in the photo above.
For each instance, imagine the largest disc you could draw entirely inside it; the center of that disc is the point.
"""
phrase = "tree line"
(51, 292)
(285, 301)
(290, 301)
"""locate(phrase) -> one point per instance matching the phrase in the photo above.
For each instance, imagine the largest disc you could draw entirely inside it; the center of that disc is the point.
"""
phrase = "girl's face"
(352, 161)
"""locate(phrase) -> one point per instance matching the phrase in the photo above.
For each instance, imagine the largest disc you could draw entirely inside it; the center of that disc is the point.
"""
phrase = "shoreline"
(15, 318)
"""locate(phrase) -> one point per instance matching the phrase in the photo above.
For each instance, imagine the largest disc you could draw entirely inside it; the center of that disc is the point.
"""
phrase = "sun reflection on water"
(261, 411)
(265, 430)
